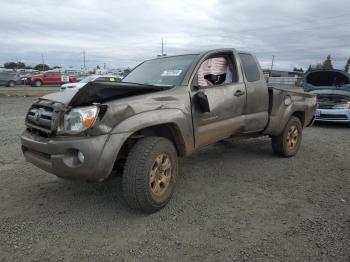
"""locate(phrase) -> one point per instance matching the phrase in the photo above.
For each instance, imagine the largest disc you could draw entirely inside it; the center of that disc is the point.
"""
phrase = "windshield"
(165, 71)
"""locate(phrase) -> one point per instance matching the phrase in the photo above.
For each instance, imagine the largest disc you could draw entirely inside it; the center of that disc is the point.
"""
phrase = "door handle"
(239, 93)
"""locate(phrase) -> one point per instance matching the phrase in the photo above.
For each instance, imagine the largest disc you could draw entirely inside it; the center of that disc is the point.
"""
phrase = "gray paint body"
(260, 111)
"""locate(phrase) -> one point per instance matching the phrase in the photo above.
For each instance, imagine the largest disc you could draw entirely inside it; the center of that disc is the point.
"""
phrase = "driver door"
(226, 101)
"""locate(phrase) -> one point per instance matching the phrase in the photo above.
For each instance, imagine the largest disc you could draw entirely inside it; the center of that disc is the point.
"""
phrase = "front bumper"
(333, 115)
(59, 155)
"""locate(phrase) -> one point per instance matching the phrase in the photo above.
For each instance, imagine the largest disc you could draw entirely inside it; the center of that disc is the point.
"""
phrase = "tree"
(319, 66)
(42, 67)
(57, 67)
(298, 69)
(347, 65)
(327, 64)
(10, 65)
(98, 67)
(14, 65)
(309, 69)
(21, 65)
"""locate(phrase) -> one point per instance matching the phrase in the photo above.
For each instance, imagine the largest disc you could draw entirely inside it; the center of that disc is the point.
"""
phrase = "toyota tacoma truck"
(163, 109)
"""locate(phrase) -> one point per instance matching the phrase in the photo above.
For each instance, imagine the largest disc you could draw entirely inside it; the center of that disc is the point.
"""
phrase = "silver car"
(332, 88)
(9, 79)
(91, 78)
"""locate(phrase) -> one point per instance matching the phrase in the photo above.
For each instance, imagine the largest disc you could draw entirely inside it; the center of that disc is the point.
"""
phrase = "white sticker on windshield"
(174, 72)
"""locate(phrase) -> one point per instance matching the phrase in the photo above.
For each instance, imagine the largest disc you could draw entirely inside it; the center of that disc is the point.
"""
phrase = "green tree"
(10, 65)
(347, 65)
(42, 67)
(327, 64)
(21, 65)
(298, 69)
(319, 66)
(14, 65)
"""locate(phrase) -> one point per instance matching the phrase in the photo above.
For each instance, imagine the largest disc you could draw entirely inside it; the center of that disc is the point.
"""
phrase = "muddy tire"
(150, 172)
(287, 144)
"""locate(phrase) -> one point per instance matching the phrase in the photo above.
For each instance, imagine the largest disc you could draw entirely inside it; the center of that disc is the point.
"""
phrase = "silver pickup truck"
(164, 109)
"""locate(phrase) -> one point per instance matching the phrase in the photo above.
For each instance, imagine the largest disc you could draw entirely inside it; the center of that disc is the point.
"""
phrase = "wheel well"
(169, 131)
(301, 116)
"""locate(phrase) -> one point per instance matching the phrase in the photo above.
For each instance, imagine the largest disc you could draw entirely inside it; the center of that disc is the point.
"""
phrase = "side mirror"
(202, 102)
(215, 79)
(45, 75)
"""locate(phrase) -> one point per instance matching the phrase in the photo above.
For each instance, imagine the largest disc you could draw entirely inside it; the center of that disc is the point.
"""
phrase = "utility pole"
(273, 60)
(162, 47)
(42, 61)
(84, 58)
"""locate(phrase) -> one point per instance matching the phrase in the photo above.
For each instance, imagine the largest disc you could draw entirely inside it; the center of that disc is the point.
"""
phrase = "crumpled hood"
(95, 92)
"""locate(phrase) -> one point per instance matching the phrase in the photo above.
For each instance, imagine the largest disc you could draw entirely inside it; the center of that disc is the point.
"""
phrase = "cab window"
(250, 67)
(215, 71)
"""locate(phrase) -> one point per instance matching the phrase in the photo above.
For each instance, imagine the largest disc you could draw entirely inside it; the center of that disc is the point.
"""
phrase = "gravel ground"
(235, 201)
(22, 90)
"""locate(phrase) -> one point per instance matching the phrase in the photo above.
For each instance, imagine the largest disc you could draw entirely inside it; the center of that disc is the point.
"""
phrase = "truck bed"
(283, 101)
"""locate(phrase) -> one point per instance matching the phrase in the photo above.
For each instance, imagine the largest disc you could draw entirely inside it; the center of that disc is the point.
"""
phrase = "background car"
(332, 88)
(51, 78)
(9, 79)
(91, 78)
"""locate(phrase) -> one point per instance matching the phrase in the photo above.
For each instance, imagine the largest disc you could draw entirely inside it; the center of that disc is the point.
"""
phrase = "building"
(281, 73)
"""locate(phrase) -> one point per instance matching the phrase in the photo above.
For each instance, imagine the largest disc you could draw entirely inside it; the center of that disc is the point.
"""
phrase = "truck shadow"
(331, 125)
(64, 197)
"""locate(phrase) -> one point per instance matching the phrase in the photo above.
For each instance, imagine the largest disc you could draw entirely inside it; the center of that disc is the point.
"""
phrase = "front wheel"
(37, 83)
(150, 173)
(287, 144)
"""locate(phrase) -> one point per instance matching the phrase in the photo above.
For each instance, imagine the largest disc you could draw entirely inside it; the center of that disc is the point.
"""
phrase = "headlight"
(342, 106)
(80, 119)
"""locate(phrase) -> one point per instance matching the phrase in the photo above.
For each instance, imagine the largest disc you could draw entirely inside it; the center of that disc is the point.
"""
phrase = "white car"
(91, 78)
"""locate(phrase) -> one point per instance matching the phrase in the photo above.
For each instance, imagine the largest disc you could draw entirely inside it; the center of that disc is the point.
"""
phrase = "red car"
(50, 78)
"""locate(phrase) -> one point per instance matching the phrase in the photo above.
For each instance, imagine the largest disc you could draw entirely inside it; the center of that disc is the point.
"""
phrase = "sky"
(123, 33)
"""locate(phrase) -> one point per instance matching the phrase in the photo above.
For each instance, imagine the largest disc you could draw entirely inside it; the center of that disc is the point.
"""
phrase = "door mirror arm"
(202, 102)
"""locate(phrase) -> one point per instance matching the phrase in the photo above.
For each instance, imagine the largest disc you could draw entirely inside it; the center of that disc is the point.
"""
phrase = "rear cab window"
(250, 67)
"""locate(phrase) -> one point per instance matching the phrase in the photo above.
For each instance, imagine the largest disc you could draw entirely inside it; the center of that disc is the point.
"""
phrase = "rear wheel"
(287, 144)
(11, 84)
(150, 173)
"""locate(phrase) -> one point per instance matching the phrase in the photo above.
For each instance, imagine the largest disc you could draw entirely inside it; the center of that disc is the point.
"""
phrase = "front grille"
(335, 116)
(43, 117)
(320, 106)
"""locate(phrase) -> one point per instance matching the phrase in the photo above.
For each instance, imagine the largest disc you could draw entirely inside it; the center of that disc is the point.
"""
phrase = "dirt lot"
(25, 90)
(235, 201)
